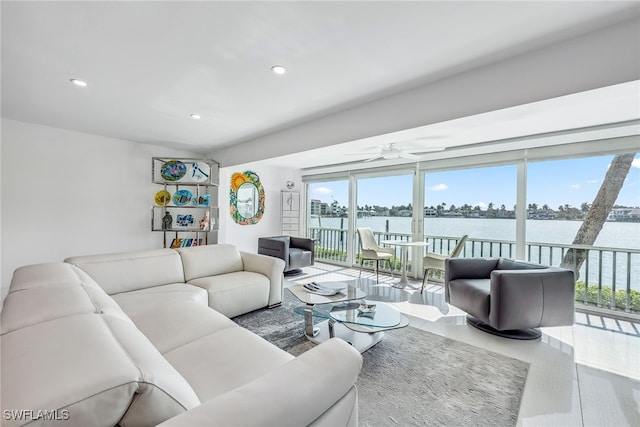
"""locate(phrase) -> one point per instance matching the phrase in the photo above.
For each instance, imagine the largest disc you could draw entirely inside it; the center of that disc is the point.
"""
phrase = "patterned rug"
(413, 377)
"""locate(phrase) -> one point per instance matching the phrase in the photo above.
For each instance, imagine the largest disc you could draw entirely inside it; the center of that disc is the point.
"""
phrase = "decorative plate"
(173, 170)
(198, 172)
(182, 197)
(162, 198)
(204, 200)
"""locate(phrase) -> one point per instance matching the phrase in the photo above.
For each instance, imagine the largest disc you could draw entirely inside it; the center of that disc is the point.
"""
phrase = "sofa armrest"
(532, 298)
(271, 267)
(294, 394)
(304, 243)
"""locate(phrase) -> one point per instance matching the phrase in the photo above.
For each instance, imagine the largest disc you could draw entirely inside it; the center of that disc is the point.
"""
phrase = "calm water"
(612, 235)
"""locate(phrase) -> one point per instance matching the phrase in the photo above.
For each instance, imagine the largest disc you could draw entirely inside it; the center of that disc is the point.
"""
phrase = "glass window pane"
(385, 206)
(561, 213)
(479, 202)
(327, 219)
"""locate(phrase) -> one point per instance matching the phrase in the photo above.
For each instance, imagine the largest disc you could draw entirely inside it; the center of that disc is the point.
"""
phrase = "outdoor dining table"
(404, 245)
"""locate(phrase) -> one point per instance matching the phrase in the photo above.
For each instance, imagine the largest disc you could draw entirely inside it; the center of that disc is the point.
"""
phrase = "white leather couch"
(144, 338)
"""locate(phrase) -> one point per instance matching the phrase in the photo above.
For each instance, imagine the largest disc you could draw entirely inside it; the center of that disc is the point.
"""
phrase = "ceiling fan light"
(391, 156)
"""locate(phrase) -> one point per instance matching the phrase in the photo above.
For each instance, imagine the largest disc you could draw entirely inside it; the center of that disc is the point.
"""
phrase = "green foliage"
(605, 297)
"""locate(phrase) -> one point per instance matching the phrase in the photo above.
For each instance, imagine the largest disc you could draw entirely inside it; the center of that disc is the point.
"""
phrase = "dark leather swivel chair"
(297, 252)
(510, 298)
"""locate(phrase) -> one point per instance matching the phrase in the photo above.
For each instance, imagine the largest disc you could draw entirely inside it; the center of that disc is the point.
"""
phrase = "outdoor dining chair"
(433, 261)
(370, 250)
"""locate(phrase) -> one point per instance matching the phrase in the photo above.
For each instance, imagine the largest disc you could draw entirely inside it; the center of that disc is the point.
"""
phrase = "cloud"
(439, 187)
(575, 186)
(323, 190)
(636, 163)
(593, 181)
(481, 204)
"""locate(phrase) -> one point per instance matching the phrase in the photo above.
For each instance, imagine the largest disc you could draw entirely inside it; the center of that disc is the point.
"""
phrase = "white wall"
(245, 237)
(67, 193)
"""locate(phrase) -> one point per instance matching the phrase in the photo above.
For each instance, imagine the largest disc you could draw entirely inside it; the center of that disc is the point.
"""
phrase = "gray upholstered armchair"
(510, 298)
(297, 252)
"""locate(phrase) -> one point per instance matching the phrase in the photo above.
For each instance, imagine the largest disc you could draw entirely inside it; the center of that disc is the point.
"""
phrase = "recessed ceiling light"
(195, 116)
(278, 69)
(79, 82)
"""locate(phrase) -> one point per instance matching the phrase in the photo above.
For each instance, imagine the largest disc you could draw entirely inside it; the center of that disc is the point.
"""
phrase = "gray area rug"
(413, 377)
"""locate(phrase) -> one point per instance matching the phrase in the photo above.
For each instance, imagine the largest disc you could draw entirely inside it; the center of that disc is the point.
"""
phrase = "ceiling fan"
(390, 152)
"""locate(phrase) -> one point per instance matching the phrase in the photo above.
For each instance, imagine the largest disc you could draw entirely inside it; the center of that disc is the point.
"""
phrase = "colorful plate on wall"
(204, 199)
(173, 170)
(198, 172)
(162, 198)
(182, 197)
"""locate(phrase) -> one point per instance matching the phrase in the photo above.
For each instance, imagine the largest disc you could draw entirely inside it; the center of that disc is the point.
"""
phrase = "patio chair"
(370, 250)
(433, 261)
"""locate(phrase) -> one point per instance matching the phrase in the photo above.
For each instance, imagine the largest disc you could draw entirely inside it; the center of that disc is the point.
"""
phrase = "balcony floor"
(587, 374)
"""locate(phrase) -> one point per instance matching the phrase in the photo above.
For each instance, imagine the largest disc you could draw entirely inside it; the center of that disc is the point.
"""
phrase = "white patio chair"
(370, 250)
(433, 261)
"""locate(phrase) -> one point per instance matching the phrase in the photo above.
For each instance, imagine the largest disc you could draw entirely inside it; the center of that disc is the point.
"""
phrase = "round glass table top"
(367, 313)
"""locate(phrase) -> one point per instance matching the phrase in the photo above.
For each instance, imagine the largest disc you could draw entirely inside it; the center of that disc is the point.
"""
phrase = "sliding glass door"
(385, 204)
(328, 218)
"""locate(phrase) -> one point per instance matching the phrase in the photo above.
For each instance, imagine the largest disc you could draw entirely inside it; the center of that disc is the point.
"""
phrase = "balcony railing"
(608, 279)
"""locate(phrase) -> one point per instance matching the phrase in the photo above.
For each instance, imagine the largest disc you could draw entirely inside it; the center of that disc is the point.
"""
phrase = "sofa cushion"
(108, 364)
(169, 326)
(130, 271)
(236, 293)
(162, 392)
(147, 299)
(246, 357)
(210, 260)
(43, 292)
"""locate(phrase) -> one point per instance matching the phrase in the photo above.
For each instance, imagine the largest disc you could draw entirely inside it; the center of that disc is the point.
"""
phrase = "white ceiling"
(149, 65)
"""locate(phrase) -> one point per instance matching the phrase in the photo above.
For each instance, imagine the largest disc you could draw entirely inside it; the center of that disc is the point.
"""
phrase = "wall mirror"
(246, 198)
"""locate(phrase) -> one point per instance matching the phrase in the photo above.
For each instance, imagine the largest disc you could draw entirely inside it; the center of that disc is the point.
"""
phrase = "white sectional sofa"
(144, 338)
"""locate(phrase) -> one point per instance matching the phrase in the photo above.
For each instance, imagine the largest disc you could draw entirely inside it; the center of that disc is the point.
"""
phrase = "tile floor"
(587, 374)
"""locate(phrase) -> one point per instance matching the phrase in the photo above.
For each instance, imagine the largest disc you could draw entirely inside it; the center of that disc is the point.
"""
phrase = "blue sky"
(555, 183)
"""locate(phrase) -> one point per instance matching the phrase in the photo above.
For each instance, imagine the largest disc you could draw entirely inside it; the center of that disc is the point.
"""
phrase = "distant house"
(428, 212)
(453, 214)
(541, 214)
(624, 214)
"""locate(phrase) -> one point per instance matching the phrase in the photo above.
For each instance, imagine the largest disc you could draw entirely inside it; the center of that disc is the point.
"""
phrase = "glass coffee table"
(345, 314)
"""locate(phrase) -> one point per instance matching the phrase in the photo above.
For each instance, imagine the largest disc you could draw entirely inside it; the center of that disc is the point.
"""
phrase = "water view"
(614, 234)
(618, 235)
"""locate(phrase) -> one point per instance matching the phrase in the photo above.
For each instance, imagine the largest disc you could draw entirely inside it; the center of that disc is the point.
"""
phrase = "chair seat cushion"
(299, 258)
(472, 296)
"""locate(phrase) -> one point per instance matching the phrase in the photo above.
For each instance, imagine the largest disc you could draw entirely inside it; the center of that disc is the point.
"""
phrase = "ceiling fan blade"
(370, 153)
(370, 159)
(411, 156)
(429, 150)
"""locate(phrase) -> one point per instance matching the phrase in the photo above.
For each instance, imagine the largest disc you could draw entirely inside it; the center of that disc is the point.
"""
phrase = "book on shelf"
(181, 242)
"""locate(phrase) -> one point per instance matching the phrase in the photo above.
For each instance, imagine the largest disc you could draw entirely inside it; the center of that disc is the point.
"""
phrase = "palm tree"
(599, 210)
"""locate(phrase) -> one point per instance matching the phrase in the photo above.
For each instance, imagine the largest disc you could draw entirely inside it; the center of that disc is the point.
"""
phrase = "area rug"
(413, 377)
